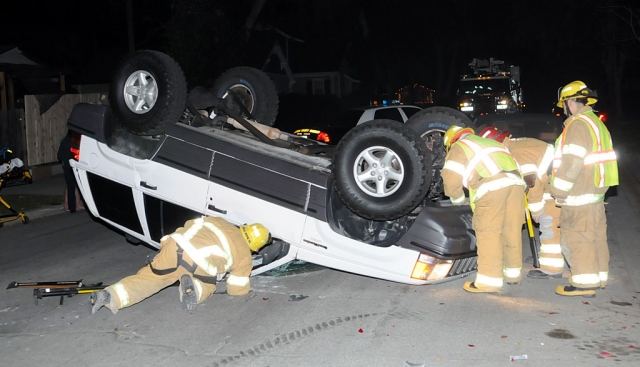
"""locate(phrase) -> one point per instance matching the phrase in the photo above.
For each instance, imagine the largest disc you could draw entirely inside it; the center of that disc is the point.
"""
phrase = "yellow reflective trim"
(122, 294)
(550, 248)
(492, 282)
(561, 184)
(497, 185)
(586, 279)
(528, 168)
(536, 207)
(512, 272)
(198, 287)
(600, 157)
(238, 281)
(574, 149)
(604, 276)
(552, 262)
(202, 262)
(546, 161)
(584, 199)
(459, 200)
(224, 243)
(454, 166)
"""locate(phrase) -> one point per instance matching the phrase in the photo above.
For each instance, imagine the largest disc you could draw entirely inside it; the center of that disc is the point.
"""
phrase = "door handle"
(213, 207)
(145, 184)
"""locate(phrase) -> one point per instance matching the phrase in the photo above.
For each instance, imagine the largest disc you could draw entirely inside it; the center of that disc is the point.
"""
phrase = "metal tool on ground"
(532, 238)
(58, 289)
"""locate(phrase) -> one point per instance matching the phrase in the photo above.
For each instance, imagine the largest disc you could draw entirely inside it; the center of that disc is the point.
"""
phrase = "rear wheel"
(148, 91)
(253, 89)
(380, 173)
(431, 124)
(435, 121)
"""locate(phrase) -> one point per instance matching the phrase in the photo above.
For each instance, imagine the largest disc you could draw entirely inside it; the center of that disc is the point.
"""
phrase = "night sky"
(424, 42)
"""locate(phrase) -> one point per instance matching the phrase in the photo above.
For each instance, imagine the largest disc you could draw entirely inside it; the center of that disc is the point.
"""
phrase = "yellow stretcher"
(14, 214)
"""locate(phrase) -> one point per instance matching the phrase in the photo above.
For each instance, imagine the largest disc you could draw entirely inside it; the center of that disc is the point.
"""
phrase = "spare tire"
(379, 170)
(148, 91)
(253, 89)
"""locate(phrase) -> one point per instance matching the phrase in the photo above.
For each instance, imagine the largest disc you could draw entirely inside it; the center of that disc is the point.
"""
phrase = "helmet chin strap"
(566, 106)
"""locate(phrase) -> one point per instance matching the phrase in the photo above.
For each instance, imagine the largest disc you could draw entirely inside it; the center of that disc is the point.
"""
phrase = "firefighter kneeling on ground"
(496, 196)
(195, 255)
(584, 167)
(535, 158)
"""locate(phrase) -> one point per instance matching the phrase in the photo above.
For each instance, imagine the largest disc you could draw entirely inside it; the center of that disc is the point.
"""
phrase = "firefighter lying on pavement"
(496, 196)
(584, 167)
(535, 158)
(195, 255)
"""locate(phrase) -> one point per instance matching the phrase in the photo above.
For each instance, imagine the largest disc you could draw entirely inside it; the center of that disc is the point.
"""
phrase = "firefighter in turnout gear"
(584, 168)
(534, 158)
(496, 195)
(197, 255)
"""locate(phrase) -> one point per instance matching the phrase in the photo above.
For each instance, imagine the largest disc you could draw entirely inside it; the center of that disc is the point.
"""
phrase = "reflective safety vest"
(487, 158)
(601, 155)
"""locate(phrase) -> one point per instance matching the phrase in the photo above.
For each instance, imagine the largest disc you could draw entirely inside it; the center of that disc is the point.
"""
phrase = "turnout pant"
(145, 283)
(497, 221)
(551, 258)
(584, 244)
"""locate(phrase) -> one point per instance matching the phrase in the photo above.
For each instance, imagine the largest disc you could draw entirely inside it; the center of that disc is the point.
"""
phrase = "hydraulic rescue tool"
(60, 288)
(532, 238)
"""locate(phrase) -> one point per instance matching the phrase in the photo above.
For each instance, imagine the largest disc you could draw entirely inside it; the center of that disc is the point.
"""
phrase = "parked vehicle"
(364, 206)
(331, 134)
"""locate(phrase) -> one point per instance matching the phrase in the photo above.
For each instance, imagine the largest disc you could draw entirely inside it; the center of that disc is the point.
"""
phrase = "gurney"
(12, 170)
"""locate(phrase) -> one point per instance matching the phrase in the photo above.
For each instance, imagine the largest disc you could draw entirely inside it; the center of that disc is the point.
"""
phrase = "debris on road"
(518, 358)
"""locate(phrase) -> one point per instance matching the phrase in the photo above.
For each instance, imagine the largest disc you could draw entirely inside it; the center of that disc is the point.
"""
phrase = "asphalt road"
(316, 317)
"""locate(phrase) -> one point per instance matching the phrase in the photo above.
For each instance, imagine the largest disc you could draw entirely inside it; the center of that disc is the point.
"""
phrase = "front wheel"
(381, 171)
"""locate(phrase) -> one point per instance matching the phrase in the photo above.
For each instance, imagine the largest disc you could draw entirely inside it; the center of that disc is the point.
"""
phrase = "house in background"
(310, 69)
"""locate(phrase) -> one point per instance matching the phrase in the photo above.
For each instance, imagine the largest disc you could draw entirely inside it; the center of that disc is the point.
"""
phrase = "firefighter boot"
(471, 287)
(539, 274)
(99, 299)
(570, 290)
(188, 294)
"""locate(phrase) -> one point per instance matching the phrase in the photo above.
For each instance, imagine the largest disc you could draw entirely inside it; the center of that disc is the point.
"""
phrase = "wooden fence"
(12, 131)
(43, 132)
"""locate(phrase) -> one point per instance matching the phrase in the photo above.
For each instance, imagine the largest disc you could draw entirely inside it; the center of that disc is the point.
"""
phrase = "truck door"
(174, 185)
(242, 192)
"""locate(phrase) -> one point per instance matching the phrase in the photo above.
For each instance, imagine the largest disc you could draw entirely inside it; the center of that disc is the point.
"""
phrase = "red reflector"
(323, 137)
(602, 117)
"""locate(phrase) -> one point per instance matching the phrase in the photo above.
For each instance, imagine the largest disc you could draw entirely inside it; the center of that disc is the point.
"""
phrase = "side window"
(389, 113)
(410, 111)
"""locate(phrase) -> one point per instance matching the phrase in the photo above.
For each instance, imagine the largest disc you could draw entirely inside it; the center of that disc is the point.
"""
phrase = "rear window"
(390, 114)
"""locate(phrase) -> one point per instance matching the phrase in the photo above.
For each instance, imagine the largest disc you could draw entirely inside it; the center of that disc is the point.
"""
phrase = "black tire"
(411, 160)
(163, 86)
(255, 90)
(25, 220)
(434, 121)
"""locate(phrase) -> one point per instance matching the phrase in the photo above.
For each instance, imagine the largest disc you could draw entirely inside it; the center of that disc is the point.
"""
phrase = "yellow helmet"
(256, 235)
(454, 133)
(577, 90)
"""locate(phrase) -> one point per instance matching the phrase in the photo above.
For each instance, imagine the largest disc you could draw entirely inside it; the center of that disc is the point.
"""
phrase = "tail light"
(323, 137)
(75, 145)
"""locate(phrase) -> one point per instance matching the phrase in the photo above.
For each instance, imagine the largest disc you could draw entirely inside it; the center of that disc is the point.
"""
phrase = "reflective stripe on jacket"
(485, 158)
(596, 154)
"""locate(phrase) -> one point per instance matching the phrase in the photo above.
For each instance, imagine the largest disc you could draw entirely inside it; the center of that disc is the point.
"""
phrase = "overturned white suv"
(372, 205)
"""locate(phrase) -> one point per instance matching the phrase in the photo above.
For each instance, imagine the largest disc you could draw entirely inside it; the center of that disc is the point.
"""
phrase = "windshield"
(484, 86)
